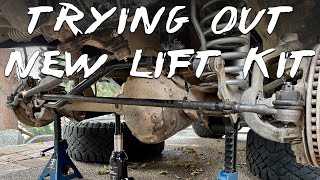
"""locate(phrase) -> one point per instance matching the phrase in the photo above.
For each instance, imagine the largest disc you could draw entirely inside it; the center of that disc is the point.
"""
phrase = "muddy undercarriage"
(283, 110)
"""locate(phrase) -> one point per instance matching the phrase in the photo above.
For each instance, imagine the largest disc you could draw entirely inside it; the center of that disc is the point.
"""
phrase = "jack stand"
(118, 163)
(59, 165)
(230, 157)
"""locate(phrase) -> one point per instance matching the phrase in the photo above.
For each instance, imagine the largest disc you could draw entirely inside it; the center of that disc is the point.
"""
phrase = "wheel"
(92, 142)
(202, 131)
(272, 160)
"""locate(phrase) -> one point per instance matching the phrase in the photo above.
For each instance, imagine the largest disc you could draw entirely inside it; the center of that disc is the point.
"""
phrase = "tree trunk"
(7, 86)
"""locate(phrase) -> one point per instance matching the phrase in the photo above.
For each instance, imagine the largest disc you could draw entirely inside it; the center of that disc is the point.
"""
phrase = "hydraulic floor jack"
(60, 166)
(230, 157)
(118, 163)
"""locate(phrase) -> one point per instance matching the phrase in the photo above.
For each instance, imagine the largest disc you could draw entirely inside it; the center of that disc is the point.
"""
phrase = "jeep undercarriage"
(283, 110)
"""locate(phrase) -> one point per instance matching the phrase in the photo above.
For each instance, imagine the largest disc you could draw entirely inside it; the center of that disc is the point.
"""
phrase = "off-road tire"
(204, 132)
(92, 142)
(275, 161)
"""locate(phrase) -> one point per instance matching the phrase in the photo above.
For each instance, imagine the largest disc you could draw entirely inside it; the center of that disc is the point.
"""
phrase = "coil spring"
(233, 44)
(41, 59)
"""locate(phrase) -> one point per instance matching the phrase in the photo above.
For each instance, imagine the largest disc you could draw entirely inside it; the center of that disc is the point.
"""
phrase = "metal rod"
(211, 106)
(118, 138)
(257, 108)
(57, 131)
(274, 84)
(93, 79)
(118, 125)
(98, 75)
(184, 104)
(45, 86)
(57, 126)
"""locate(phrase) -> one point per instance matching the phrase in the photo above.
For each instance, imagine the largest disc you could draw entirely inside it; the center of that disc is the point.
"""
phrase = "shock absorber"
(233, 45)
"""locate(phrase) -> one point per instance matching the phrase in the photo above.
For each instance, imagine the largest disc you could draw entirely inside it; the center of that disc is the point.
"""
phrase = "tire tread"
(92, 142)
(275, 161)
